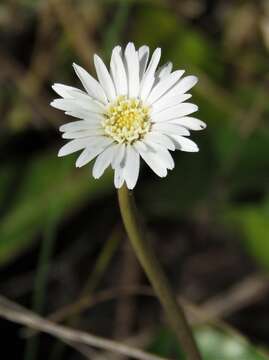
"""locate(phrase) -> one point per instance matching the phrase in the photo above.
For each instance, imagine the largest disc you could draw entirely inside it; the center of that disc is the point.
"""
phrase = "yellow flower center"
(126, 120)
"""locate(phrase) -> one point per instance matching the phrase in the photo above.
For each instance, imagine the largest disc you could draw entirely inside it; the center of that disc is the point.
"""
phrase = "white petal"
(74, 104)
(186, 84)
(84, 114)
(182, 86)
(104, 78)
(163, 85)
(161, 139)
(118, 72)
(87, 102)
(165, 156)
(165, 103)
(175, 112)
(77, 97)
(131, 168)
(79, 125)
(117, 48)
(149, 76)
(103, 161)
(142, 146)
(165, 70)
(92, 150)
(92, 86)
(73, 146)
(98, 131)
(143, 56)
(190, 123)
(63, 104)
(119, 165)
(88, 155)
(119, 155)
(118, 177)
(151, 159)
(67, 92)
(169, 128)
(184, 144)
(162, 153)
(132, 63)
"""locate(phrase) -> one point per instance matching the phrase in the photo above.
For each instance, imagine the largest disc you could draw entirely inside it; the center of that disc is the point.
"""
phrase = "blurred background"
(61, 238)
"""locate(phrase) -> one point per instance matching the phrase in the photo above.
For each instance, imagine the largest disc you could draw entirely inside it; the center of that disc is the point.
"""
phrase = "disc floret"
(126, 120)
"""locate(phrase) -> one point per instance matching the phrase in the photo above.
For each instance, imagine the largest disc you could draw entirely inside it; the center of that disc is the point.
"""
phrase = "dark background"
(208, 219)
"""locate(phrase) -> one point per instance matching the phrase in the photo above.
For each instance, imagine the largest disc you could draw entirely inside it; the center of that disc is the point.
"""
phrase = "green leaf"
(165, 344)
(217, 345)
(50, 187)
(154, 26)
(251, 169)
(214, 344)
(252, 222)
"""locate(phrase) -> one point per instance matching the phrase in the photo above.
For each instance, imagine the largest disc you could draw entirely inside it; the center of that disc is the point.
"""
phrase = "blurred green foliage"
(214, 344)
(50, 188)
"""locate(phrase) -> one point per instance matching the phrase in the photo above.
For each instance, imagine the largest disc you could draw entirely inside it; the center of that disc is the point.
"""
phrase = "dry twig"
(17, 314)
(247, 291)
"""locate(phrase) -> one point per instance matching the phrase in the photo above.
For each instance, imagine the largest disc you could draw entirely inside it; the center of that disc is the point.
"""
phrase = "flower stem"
(151, 266)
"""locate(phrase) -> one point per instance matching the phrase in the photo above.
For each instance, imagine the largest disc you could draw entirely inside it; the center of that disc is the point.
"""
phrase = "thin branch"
(239, 296)
(242, 294)
(92, 300)
(15, 313)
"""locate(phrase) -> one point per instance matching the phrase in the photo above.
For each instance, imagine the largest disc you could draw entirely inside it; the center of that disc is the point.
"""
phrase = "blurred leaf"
(113, 34)
(252, 166)
(214, 345)
(193, 50)
(181, 44)
(165, 344)
(6, 176)
(155, 26)
(19, 115)
(226, 142)
(49, 186)
(217, 345)
(252, 222)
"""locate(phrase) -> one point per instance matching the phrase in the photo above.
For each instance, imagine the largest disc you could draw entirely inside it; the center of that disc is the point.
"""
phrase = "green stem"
(151, 266)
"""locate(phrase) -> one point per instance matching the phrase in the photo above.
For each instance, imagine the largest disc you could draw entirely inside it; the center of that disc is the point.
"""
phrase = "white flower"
(134, 110)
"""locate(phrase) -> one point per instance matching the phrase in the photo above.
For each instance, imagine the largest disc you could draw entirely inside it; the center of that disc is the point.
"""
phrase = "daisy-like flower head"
(134, 110)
